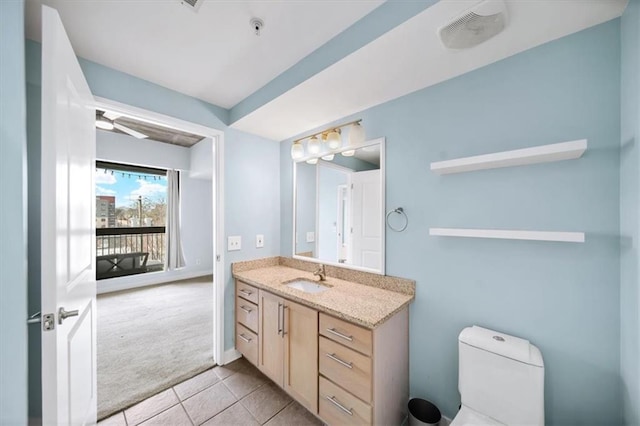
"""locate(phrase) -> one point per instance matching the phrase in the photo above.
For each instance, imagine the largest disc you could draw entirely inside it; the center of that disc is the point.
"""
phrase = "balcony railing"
(128, 251)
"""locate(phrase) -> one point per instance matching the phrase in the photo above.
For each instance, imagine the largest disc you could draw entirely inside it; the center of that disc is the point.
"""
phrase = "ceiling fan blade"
(130, 131)
(111, 115)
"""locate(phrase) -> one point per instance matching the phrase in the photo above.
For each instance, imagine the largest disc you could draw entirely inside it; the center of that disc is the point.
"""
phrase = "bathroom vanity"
(339, 347)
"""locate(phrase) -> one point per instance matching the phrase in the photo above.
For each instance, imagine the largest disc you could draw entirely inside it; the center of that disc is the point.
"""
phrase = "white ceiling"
(411, 57)
(211, 54)
(214, 55)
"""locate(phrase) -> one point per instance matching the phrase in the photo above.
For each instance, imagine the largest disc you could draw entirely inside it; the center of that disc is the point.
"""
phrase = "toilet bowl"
(501, 380)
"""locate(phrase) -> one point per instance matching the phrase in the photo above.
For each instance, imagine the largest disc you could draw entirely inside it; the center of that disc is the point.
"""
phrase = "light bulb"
(349, 153)
(312, 161)
(328, 157)
(356, 134)
(313, 146)
(334, 141)
(297, 150)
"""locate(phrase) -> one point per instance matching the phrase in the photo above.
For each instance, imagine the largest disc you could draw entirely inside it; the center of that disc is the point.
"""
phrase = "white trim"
(218, 200)
(229, 356)
(519, 157)
(218, 248)
(156, 118)
(569, 237)
(144, 280)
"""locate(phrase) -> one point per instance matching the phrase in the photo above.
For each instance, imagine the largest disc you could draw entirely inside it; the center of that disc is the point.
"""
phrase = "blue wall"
(13, 216)
(630, 214)
(252, 197)
(563, 297)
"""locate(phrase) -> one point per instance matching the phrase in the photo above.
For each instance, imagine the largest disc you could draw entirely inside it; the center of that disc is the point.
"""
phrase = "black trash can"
(423, 413)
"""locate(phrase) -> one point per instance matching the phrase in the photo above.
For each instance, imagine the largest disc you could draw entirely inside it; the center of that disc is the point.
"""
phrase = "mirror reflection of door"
(366, 235)
(343, 223)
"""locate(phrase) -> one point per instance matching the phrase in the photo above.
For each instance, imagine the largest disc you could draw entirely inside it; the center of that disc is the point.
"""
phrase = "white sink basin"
(307, 286)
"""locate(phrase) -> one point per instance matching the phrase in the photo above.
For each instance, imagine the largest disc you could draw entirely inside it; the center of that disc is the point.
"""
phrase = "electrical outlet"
(311, 237)
(234, 243)
(197, 261)
(259, 241)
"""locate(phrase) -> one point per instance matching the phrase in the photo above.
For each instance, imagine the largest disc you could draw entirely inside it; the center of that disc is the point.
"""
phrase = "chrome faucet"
(321, 273)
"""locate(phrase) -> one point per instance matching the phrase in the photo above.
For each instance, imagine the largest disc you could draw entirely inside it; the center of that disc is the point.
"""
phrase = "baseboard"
(445, 421)
(143, 280)
(229, 356)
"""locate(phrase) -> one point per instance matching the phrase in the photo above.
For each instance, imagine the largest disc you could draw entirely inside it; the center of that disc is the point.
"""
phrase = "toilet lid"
(468, 417)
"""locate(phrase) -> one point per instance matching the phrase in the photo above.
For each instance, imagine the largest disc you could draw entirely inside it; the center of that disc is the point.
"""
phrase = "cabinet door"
(301, 354)
(271, 346)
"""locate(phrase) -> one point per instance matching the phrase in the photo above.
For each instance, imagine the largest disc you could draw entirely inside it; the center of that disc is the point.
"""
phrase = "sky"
(128, 186)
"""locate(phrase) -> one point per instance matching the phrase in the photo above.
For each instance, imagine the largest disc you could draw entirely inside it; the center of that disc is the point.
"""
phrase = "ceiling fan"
(106, 121)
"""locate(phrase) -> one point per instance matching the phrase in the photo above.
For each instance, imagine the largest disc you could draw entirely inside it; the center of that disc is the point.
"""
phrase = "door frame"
(218, 206)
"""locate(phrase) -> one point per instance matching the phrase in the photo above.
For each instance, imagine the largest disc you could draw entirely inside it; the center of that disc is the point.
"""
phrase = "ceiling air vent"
(475, 26)
(192, 4)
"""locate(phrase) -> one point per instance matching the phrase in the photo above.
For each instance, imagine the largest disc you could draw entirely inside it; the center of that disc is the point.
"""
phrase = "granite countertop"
(358, 303)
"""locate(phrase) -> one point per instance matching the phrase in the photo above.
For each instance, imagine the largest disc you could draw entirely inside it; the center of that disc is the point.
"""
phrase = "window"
(131, 206)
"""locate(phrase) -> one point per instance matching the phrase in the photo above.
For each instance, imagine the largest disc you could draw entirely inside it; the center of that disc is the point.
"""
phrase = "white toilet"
(501, 380)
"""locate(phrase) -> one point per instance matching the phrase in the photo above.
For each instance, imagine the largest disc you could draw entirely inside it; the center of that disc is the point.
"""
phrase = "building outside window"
(131, 206)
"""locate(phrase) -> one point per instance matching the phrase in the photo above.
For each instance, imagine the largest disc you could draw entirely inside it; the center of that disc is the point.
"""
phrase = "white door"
(366, 210)
(68, 233)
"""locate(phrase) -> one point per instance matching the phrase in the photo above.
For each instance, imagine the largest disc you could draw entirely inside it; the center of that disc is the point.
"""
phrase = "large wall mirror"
(338, 208)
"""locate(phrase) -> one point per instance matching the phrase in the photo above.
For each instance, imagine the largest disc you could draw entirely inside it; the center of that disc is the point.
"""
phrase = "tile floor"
(234, 394)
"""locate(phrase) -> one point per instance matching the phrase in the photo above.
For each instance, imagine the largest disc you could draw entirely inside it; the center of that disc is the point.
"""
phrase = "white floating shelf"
(569, 237)
(519, 157)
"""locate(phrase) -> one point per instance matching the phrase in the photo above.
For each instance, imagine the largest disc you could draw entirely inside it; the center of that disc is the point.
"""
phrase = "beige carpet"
(152, 338)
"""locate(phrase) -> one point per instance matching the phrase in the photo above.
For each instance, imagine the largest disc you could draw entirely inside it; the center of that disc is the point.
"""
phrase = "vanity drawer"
(247, 292)
(247, 314)
(338, 407)
(346, 367)
(247, 343)
(347, 334)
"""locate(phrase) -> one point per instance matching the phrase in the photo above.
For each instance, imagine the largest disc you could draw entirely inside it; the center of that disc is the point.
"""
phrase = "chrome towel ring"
(401, 212)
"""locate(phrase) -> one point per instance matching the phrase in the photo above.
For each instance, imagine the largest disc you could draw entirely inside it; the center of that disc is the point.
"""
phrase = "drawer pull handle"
(337, 333)
(243, 337)
(247, 310)
(349, 411)
(245, 292)
(339, 361)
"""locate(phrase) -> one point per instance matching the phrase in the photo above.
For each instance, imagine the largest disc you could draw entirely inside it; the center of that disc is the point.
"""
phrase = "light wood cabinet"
(270, 338)
(301, 354)
(364, 374)
(246, 327)
(343, 373)
(288, 347)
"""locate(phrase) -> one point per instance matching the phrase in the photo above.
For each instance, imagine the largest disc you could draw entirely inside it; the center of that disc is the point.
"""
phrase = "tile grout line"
(278, 412)
(247, 395)
(183, 407)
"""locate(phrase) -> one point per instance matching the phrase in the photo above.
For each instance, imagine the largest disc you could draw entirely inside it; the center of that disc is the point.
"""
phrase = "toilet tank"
(501, 376)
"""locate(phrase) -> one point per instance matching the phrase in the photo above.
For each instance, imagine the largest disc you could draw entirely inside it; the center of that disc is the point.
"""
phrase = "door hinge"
(218, 258)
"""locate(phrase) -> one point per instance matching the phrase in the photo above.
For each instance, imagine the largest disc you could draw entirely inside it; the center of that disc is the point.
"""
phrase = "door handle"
(63, 315)
(35, 318)
(339, 361)
(247, 310)
(284, 322)
(335, 402)
(337, 333)
(279, 319)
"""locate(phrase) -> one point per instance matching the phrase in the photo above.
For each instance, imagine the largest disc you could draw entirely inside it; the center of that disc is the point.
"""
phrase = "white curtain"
(175, 258)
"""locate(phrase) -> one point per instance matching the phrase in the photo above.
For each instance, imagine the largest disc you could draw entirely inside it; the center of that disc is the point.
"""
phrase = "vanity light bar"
(329, 129)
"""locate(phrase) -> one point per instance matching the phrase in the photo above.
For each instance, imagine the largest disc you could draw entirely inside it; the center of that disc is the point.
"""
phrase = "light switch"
(259, 241)
(311, 237)
(234, 243)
